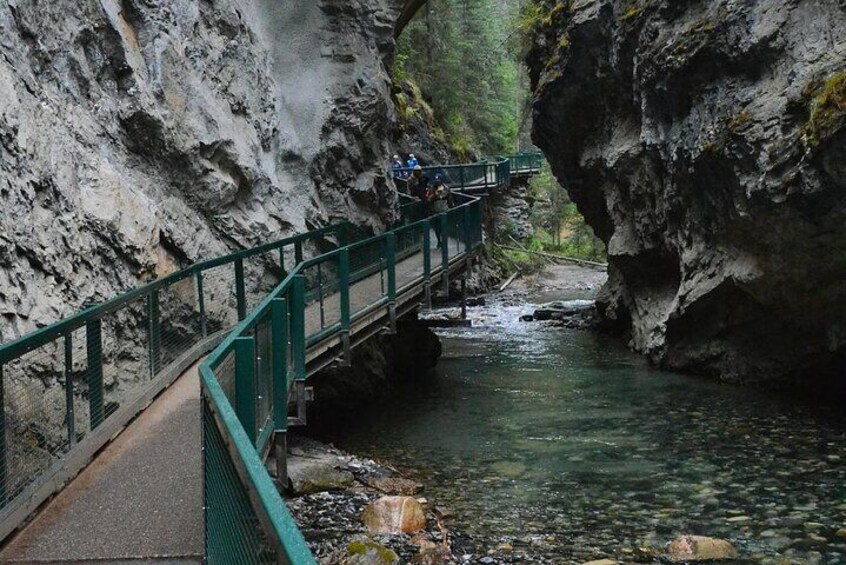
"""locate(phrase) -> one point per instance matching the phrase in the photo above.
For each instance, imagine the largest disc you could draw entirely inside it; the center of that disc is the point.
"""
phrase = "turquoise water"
(562, 446)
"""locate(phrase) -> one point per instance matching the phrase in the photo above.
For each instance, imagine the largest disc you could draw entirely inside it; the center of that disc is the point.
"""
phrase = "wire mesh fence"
(232, 526)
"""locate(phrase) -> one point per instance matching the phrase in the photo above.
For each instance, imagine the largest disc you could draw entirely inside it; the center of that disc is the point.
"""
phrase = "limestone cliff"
(705, 143)
(137, 136)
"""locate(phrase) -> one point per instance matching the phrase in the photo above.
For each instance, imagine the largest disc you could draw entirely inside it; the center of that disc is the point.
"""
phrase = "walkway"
(141, 498)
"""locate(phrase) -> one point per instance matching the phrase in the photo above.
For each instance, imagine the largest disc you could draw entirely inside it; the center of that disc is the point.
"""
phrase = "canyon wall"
(137, 136)
(704, 142)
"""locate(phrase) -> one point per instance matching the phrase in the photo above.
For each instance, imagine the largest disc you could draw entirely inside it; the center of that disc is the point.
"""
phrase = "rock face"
(137, 136)
(705, 144)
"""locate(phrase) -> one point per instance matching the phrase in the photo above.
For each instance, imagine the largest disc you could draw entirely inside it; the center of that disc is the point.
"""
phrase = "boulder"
(318, 473)
(693, 549)
(394, 515)
(368, 552)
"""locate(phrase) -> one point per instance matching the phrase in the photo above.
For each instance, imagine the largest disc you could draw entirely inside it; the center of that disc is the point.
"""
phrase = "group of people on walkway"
(435, 195)
(402, 169)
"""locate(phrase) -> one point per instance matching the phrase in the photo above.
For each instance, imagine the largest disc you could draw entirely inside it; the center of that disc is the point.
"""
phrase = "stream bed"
(561, 446)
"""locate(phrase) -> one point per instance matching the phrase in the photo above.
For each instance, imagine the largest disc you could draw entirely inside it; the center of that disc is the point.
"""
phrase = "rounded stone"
(394, 515)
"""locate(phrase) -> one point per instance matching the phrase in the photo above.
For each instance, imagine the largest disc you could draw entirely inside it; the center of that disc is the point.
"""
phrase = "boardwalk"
(173, 471)
(142, 496)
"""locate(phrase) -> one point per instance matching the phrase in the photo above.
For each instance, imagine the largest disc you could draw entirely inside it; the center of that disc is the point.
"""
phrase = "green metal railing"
(525, 163)
(68, 388)
(249, 378)
(486, 175)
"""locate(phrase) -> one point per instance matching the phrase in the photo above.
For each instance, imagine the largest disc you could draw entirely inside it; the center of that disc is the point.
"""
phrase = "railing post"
(282, 262)
(3, 486)
(240, 290)
(298, 333)
(320, 295)
(468, 244)
(70, 422)
(390, 252)
(427, 264)
(154, 332)
(245, 385)
(298, 345)
(444, 251)
(298, 252)
(279, 357)
(94, 378)
(201, 304)
(344, 268)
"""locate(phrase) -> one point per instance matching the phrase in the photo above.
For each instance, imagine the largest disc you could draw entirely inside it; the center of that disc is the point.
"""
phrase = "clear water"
(567, 447)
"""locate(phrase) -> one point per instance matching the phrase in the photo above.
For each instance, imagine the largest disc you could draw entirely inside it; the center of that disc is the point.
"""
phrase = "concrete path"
(139, 501)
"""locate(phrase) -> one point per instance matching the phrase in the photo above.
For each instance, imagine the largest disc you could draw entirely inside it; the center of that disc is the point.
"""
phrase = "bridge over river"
(211, 367)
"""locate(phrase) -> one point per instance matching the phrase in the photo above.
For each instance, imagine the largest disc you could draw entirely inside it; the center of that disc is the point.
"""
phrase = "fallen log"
(510, 280)
(557, 257)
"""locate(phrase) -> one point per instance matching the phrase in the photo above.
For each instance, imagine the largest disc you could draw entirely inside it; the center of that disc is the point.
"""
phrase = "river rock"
(687, 549)
(601, 562)
(395, 485)
(394, 515)
(318, 473)
(369, 552)
(705, 142)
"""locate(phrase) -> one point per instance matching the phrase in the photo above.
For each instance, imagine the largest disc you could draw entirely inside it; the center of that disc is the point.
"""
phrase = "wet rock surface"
(704, 144)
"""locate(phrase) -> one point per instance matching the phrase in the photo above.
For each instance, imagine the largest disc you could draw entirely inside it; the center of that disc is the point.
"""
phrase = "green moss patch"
(827, 109)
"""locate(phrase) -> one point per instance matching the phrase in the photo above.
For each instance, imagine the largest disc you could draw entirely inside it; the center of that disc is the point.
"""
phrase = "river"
(562, 446)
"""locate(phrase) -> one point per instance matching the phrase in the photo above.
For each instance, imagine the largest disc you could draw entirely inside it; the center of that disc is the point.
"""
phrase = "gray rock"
(703, 144)
(318, 472)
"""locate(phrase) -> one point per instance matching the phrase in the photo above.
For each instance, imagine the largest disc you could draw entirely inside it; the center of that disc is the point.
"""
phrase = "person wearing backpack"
(440, 201)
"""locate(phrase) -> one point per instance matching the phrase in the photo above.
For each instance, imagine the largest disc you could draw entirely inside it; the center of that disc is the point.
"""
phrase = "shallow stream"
(562, 446)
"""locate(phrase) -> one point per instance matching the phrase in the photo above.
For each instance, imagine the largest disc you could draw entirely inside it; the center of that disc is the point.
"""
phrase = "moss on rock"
(827, 109)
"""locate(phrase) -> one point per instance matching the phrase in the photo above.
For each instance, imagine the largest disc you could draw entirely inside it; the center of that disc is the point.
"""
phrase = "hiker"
(440, 201)
(399, 168)
(412, 161)
(418, 184)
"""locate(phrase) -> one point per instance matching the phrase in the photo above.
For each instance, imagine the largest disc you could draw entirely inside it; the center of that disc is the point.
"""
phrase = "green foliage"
(458, 52)
(558, 226)
(508, 260)
(827, 109)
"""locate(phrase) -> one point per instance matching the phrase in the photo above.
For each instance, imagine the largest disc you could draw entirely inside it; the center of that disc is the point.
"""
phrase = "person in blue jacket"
(399, 168)
(412, 161)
